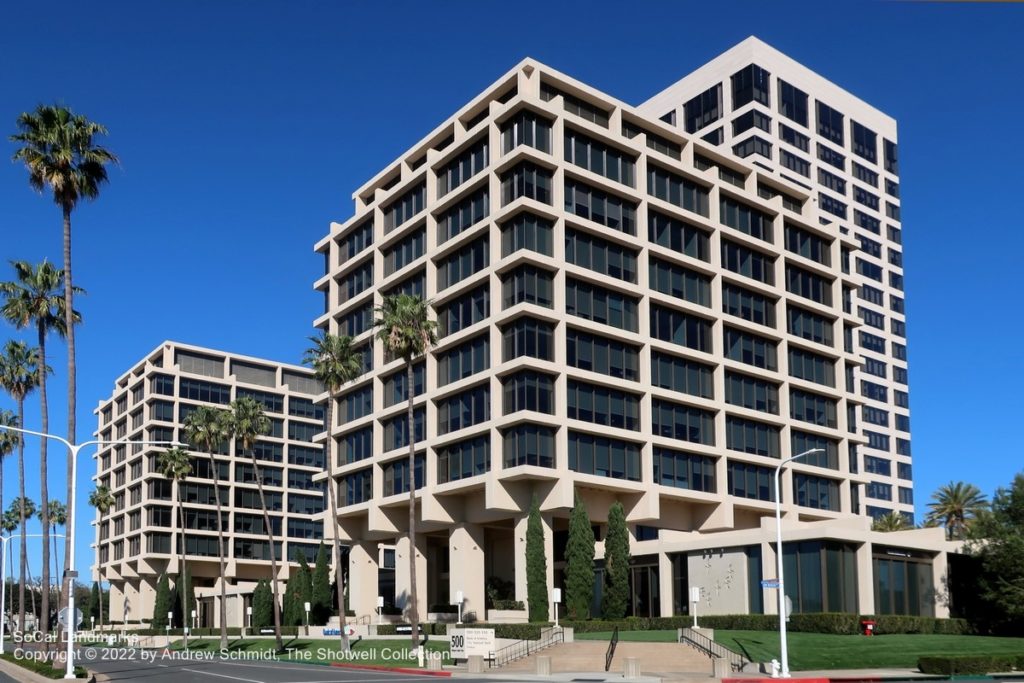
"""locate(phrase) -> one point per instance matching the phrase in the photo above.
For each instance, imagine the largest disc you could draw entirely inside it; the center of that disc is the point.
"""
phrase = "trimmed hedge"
(42, 668)
(511, 631)
(839, 623)
(970, 664)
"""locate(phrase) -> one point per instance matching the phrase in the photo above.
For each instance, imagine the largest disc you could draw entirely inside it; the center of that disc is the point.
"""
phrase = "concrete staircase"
(667, 660)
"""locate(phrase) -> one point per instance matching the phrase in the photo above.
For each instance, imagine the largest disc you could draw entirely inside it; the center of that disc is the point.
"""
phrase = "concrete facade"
(135, 540)
(633, 312)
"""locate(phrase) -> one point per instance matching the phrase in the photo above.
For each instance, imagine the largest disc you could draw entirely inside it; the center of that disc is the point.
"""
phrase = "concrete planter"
(507, 616)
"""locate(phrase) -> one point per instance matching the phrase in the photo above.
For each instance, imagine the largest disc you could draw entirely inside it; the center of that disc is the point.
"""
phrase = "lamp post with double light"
(74, 450)
(778, 557)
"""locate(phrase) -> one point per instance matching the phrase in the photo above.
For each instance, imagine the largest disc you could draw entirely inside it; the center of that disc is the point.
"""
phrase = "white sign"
(62, 617)
(466, 642)
(558, 596)
(694, 594)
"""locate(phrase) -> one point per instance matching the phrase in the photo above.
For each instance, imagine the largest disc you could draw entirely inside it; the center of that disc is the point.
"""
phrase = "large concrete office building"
(138, 539)
(649, 304)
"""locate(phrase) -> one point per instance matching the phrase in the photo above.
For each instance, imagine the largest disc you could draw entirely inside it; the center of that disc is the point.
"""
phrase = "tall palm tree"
(955, 505)
(58, 516)
(248, 423)
(405, 328)
(335, 363)
(175, 464)
(59, 150)
(890, 521)
(19, 375)
(8, 442)
(33, 298)
(9, 524)
(102, 499)
(209, 429)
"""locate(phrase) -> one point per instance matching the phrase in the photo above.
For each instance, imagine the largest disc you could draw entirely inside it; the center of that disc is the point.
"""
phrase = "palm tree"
(9, 524)
(248, 423)
(8, 442)
(336, 363)
(890, 521)
(209, 429)
(25, 508)
(407, 331)
(102, 499)
(955, 505)
(34, 298)
(19, 375)
(175, 464)
(61, 155)
(58, 516)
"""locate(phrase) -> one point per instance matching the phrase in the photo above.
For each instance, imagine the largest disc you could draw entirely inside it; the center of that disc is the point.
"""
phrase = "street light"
(3, 581)
(71, 575)
(778, 557)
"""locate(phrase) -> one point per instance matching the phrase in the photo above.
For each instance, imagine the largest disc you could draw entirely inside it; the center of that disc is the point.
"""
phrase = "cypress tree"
(321, 587)
(579, 563)
(94, 601)
(288, 602)
(183, 607)
(305, 588)
(262, 606)
(536, 565)
(163, 602)
(615, 596)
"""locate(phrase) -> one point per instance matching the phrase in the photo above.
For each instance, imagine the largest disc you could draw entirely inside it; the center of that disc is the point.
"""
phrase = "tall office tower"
(630, 312)
(139, 539)
(760, 105)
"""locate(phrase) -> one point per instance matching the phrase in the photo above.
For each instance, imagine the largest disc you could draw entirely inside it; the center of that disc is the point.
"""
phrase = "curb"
(400, 670)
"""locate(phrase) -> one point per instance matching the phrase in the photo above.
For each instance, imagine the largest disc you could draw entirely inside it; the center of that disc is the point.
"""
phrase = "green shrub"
(969, 664)
(509, 604)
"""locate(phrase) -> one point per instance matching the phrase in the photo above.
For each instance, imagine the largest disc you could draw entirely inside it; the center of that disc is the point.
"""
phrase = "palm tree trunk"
(101, 587)
(414, 617)
(273, 555)
(339, 571)
(23, 553)
(223, 566)
(10, 608)
(44, 497)
(182, 574)
(56, 571)
(69, 321)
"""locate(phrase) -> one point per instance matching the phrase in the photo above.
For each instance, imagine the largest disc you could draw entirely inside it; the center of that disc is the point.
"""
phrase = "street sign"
(769, 583)
(62, 617)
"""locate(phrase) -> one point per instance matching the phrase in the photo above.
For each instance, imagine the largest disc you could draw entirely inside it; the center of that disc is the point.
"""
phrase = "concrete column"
(865, 580)
(769, 596)
(940, 572)
(665, 584)
(519, 539)
(362, 578)
(466, 571)
(117, 603)
(402, 581)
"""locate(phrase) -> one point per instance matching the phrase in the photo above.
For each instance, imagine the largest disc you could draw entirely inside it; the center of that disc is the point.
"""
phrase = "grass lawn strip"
(391, 653)
(821, 651)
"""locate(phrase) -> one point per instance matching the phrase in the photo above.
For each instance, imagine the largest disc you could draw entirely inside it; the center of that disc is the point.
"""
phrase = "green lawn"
(316, 651)
(815, 651)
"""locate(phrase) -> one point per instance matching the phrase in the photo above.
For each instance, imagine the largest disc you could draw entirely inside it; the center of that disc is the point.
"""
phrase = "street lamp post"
(3, 581)
(74, 450)
(778, 558)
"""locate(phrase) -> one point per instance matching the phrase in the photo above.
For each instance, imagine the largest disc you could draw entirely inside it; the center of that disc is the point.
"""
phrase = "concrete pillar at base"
(720, 668)
(475, 664)
(865, 580)
(433, 663)
(402, 582)
(665, 583)
(940, 569)
(543, 665)
(519, 538)
(362, 578)
(632, 668)
(466, 568)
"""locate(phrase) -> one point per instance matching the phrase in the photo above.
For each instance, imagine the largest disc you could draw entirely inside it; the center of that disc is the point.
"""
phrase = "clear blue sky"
(244, 127)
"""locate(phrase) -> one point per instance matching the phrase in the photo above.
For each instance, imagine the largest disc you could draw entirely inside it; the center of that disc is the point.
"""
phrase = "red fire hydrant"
(868, 627)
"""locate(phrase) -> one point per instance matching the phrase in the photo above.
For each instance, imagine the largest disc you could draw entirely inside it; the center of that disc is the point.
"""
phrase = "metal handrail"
(610, 653)
(525, 648)
(712, 649)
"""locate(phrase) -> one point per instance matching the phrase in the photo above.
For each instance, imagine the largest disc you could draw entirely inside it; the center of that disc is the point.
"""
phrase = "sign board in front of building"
(467, 642)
